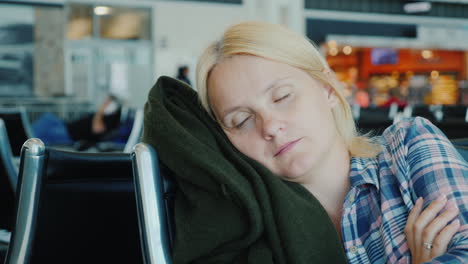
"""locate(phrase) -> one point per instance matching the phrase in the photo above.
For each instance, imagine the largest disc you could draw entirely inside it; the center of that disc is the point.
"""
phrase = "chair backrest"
(460, 142)
(457, 112)
(463, 150)
(453, 129)
(461, 145)
(155, 205)
(18, 127)
(374, 120)
(8, 180)
(125, 112)
(423, 111)
(375, 114)
(137, 130)
(74, 208)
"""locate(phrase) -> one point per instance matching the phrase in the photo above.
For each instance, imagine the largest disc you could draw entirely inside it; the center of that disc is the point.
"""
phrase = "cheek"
(247, 145)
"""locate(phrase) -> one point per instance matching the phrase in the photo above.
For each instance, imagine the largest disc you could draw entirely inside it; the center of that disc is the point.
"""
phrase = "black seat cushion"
(374, 120)
(87, 210)
(7, 174)
(454, 112)
(16, 131)
(453, 129)
(7, 199)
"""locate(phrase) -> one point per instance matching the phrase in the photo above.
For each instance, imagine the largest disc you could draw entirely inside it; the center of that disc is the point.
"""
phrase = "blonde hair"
(277, 43)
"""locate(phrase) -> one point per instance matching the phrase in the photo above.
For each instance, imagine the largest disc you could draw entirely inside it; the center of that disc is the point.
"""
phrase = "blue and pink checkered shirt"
(417, 161)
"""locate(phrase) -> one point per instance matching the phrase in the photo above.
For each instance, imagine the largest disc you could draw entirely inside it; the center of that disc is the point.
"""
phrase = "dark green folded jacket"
(229, 208)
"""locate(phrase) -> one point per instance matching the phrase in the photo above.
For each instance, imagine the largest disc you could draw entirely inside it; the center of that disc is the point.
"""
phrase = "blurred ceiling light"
(434, 74)
(427, 54)
(347, 50)
(102, 10)
(332, 44)
(333, 51)
(418, 7)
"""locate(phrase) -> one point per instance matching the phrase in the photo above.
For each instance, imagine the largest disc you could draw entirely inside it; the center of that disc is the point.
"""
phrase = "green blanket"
(229, 208)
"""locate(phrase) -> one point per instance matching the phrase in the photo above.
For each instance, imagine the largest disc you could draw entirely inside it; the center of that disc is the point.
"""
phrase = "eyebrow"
(268, 88)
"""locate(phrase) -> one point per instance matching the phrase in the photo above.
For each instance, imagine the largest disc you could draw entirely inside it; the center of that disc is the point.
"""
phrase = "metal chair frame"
(152, 210)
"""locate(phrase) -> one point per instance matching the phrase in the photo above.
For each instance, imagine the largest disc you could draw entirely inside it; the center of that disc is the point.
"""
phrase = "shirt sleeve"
(434, 168)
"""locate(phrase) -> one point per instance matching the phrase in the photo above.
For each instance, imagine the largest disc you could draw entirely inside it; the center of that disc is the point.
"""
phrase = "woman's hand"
(429, 234)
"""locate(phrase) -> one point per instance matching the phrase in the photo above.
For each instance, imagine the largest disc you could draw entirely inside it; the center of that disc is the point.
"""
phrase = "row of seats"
(439, 113)
(452, 120)
(19, 129)
(78, 207)
(14, 131)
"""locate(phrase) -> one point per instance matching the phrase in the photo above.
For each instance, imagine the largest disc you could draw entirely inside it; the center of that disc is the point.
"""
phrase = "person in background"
(362, 98)
(182, 74)
(90, 128)
(394, 97)
(398, 198)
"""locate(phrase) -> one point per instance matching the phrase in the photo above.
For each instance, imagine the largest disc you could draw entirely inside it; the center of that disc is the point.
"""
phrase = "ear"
(330, 94)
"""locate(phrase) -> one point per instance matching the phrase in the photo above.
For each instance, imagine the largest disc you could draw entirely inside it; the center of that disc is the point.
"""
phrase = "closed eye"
(282, 98)
(242, 123)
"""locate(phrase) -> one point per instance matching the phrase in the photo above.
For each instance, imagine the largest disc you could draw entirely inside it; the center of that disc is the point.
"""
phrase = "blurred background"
(65, 57)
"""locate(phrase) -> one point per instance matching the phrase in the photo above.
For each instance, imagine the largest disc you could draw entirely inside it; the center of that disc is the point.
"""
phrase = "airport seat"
(18, 127)
(453, 129)
(133, 137)
(460, 142)
(154, 191)
(137, 131)
(446, 118)
(8, 180)
(455, 112)
(431, 112)
(374, 120)
(463, 150)
(74, 207)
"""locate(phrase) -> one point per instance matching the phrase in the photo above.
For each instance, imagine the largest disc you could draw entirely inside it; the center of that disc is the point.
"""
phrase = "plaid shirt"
(417, 161)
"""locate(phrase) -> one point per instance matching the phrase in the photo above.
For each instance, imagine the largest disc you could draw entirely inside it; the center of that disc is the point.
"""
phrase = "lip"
(286, 147)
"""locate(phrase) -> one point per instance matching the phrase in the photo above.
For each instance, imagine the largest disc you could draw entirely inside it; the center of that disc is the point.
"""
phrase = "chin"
(297, 170)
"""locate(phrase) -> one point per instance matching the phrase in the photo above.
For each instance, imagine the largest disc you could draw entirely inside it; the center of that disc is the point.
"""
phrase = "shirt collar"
(364, 171)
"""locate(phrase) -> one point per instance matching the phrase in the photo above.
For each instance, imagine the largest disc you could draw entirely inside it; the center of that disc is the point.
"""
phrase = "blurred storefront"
(415, 76)
(385, 51)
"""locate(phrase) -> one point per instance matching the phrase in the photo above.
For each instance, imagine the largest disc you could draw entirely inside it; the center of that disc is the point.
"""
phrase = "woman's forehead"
(250, 72)
(247, 70)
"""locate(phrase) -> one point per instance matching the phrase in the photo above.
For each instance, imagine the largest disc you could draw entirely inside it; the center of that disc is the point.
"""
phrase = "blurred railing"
(66, 108)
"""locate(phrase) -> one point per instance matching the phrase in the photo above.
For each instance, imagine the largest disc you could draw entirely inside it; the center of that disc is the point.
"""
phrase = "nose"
(270, 127)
